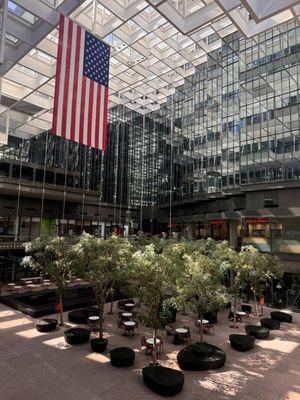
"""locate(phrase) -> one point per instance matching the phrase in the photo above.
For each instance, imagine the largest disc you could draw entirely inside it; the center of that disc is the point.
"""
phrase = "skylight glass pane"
(21, 13)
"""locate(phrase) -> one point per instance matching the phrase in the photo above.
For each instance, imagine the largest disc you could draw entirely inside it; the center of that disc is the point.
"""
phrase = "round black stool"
(241, 342)
(282, 316)
(46, 324)
(270, 323)
(259, 332)
(122, 357)
(163, 381)
(77, 335)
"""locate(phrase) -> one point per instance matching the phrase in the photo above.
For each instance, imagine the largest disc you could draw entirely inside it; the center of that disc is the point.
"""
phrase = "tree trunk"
(234, 311)
(101, 310)
(111, 301)
(255, 301)
(61, 311)
(154, 352)
(201, 328)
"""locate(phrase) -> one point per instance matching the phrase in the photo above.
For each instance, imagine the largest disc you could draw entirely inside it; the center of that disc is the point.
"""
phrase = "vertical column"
(3, 30)
(233, 233)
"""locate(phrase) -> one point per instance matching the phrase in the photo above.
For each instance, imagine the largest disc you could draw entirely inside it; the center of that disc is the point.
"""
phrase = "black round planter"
(163, 381)
(99, 345)
(201, 357)
(46, 324)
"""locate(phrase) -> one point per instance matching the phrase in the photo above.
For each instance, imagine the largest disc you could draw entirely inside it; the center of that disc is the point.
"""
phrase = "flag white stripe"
(93, 133)
(71, 83)
(86, 111)
(101, 111)
(79, 86)
(62, 78)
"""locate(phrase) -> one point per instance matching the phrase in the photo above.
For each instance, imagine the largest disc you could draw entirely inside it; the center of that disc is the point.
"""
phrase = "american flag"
(81, 88)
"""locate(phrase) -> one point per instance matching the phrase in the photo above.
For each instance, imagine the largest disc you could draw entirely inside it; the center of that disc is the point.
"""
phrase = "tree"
(257, 268)
(230, 263)
(153, 278)
(50, 256)
(201, 285)
(99, 262)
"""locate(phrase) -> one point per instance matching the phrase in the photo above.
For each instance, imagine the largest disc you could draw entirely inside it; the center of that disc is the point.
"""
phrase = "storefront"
(218, 229)
(255, 231)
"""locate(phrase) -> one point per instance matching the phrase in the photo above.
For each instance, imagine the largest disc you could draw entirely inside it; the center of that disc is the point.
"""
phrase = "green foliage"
(153, 278)
(50, 257)
(102, 263)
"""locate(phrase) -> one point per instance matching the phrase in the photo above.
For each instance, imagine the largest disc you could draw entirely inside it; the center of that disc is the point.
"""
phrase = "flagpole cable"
(44, 178)
(84, 189)
(122, 167)
(171, 167)
(17, 222)
(100, 194)
(66, 178)
(116, 174)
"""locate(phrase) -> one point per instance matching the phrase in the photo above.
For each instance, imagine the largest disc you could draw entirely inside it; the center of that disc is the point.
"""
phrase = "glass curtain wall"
(234, 122)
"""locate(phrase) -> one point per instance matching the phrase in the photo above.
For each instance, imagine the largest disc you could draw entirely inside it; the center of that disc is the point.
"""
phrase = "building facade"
(219, 159)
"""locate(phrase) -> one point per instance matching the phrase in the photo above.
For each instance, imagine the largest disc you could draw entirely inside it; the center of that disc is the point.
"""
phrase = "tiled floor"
(36, 366)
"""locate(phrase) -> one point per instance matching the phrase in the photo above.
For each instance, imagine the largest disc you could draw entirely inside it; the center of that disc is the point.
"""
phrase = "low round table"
(151, 341)
(203, 321)
(129, 323)
(129, 305)
(181, 330)
(17, 288)
(127, 314)
(94, 318)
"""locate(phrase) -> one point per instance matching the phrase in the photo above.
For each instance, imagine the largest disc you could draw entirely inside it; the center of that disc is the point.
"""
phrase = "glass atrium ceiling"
(155, 45)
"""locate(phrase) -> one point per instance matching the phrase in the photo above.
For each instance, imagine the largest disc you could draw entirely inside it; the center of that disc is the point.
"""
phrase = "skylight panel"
(19, 12)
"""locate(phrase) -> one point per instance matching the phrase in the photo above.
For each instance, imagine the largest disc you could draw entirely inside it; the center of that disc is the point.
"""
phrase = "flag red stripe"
(97, 131)
(75, 87)
(67, 79)
(91, 97)
(58, 71)
(105, 119)
(81, 125)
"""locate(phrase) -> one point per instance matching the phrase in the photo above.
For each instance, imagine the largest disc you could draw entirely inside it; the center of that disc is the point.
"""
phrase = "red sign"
(257, 220)
(218, 221)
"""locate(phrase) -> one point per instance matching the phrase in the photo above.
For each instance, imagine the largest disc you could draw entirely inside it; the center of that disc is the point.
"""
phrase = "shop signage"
(257, 220)
(219, 221)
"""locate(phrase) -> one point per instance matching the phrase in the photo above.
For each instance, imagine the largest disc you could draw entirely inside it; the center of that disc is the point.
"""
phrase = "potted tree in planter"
(153, 278)
(201, 285)
(98, 261)
(50, 256)
(258, 267)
